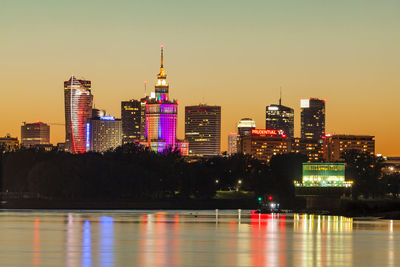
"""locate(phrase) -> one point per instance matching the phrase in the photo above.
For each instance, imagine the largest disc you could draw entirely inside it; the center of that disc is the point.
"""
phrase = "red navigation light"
(269, 197)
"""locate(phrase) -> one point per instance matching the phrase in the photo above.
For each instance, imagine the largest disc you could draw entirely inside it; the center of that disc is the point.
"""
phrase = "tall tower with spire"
(161, 115)
(78, 101)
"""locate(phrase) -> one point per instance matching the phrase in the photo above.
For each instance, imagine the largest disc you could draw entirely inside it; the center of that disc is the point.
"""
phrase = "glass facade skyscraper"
(131, 120)
(279, 117)
(78, 101)
(203, 129)
(312, 118)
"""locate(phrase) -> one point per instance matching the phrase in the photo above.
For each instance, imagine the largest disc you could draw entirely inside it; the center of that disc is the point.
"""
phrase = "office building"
(78, 101)
(232, 143)
(131, 120)
(103, 133)
(278, 117)
(336, 145)
(263, 144)
(312, 148)
(245, 126)
(33, 134)
(312, 118)
(203, 129)
(9, 143)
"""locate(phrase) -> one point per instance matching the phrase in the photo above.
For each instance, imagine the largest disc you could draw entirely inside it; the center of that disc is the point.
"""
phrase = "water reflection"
(106, 241)
(36, 243)
(86, 245)
(195, 239)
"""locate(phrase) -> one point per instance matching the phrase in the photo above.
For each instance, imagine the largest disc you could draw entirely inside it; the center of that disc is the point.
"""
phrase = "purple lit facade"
(161, 119)
(161, 116)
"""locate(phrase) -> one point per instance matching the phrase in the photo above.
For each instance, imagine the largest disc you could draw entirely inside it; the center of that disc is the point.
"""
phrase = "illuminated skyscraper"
(245, 126)
(161, 115)
(131, 120)
(279, 117)
(312, 118)
(78, 101)
(37, 133)
(203, 129)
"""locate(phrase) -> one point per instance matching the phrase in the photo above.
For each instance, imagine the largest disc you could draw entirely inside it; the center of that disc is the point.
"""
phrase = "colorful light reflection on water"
(194, 238)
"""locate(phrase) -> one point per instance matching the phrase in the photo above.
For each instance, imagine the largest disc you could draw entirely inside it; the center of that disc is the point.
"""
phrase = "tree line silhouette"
(134, 173)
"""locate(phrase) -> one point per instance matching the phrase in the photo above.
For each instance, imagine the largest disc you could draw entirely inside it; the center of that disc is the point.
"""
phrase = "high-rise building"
(336, 145)
(263, 144)
(37, 133)
(131, 120)
(203, 129)
(161, 115)
(278, 117)
(103, 133)
(312, 118)
(245, 126)
(78, 109)
(9, 143)
(232, 143)
(143, 102)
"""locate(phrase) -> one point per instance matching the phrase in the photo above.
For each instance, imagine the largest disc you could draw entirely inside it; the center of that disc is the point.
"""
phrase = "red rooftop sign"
(268, 132)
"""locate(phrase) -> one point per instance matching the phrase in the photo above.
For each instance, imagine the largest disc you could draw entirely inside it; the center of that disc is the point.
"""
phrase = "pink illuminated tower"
(161, 115)
(78, 109)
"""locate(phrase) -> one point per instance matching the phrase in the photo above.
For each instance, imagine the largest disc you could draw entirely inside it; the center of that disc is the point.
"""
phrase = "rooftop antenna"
(280, 95)
(145, 88)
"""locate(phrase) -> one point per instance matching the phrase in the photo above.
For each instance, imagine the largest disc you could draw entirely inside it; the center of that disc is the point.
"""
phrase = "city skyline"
(341, 56)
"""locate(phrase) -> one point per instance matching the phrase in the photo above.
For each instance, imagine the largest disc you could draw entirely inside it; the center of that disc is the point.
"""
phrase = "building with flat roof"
(263, 144)
(33, 134)
(312, 148)
(335, 145)
(312, 118)
(103, 133)
(9, 143)
(323, 185)
(203, 129)
(245, 126)
(131, 120)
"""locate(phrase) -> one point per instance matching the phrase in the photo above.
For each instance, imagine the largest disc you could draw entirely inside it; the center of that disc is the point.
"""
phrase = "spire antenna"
(280, 96)
(162, 56)
(145, 88)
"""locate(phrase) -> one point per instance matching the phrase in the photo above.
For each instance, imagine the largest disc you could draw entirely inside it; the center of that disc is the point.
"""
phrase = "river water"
(194, 238)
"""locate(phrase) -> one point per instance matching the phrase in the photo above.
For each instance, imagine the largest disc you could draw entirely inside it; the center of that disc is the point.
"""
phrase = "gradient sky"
(230, 53)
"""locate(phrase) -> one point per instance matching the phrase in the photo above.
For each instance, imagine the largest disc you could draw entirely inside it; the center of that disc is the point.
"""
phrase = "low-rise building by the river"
(9, 143)
(336, 145)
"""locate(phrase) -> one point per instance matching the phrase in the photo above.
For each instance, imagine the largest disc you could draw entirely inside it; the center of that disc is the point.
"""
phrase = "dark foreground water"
(194, 238)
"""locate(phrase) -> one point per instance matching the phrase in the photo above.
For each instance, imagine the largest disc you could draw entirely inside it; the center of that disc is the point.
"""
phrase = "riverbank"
(130, 205)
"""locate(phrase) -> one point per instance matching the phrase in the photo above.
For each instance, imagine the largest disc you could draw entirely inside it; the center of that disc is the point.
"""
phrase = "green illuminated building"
(323, 175)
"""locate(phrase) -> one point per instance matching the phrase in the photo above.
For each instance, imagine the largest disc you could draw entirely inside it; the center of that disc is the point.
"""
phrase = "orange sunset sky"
(236, 54)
